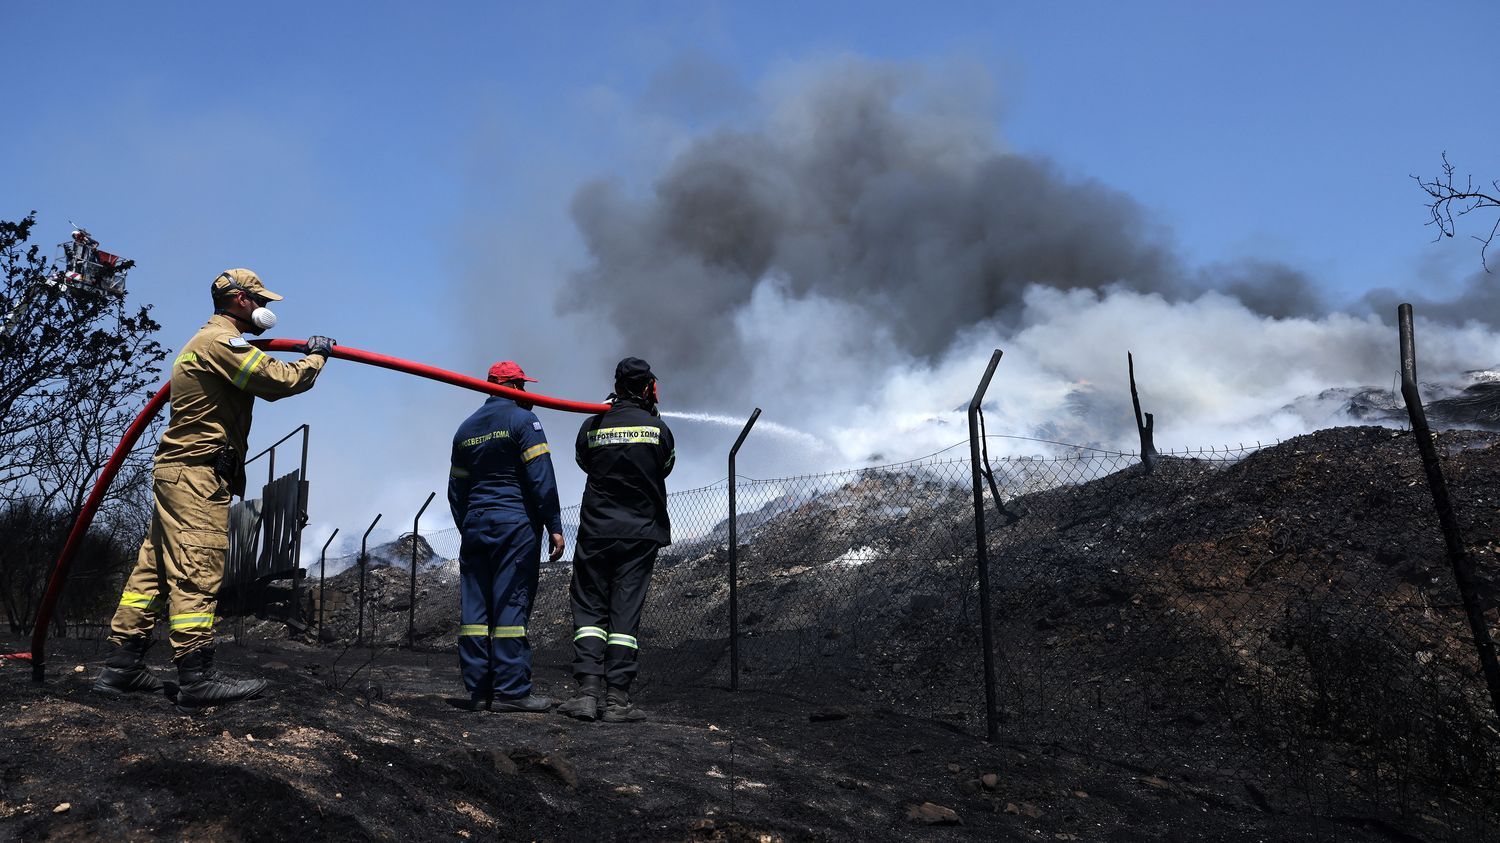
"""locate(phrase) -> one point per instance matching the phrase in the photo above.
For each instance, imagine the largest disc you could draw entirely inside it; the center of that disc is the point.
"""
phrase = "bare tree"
(79, 366)
(1451, 201)
(67, 452)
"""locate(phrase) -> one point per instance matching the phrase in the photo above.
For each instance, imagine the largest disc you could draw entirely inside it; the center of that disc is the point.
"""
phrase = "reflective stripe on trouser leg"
(152, 603)
(588, 597)
(514, 588)
(133, 618)
(498, 565)
(474, 633)
(631, 562)
(610, 577)
(473, 642)
(181, 558)
(474, 659)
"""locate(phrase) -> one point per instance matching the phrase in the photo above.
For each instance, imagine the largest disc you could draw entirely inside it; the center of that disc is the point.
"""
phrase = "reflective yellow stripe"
(141, 601)
(535, 451)
(483, 438)
(460, 473)
(474, 629)
(192, 621)
(248, 367)
(615, 639)
(509, 632)
(186, 357)
(590, 632)
(624, 436)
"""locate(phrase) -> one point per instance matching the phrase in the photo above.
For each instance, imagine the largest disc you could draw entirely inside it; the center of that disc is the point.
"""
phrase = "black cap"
(633, 372)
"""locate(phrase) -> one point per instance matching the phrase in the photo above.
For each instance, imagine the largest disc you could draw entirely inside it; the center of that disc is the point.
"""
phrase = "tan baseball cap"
(232, 280)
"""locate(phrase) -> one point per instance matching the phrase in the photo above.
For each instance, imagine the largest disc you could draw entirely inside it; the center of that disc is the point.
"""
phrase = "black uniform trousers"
(610, 578)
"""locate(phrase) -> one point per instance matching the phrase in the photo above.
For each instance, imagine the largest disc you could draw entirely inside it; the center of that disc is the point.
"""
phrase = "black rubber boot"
(584, 703)
(200, 685)
(617, 708)
(125, 670)
(529, 704)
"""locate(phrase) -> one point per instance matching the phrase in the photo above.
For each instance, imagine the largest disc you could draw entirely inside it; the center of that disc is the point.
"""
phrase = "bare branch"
(1451, 202)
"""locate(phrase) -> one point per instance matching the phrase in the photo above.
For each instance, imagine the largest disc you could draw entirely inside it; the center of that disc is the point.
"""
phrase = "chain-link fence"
(684, 629)
(1278, 623)
(1279, 619)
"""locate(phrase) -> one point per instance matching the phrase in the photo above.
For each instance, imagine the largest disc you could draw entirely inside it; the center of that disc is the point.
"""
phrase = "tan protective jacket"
(215, 381)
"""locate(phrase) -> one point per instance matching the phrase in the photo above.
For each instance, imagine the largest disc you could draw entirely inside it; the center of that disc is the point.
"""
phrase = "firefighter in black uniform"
(627, 453)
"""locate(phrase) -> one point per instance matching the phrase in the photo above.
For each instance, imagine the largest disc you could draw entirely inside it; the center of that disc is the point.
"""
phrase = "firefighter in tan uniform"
(200, 464)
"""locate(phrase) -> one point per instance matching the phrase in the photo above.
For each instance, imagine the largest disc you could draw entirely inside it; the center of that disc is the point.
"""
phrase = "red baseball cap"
(508, 370)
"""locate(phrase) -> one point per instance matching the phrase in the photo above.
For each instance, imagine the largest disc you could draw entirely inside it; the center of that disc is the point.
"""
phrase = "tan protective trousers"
(181, 563)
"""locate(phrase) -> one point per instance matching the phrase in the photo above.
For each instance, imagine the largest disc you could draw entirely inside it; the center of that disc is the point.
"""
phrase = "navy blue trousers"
(498, 564)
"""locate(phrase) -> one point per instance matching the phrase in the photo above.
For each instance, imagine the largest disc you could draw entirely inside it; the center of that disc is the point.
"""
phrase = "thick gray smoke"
(848, 255)
(1478, 301)
(869, 186)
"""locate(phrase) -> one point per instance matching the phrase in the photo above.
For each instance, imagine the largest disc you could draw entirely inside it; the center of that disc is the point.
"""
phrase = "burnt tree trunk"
(1144, 427)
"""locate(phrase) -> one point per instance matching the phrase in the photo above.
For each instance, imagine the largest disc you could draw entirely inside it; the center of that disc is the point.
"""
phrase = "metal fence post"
(734, 561)
(981, 550)
(364, 564)
(411, 611)
(322, 575)
(302, 489)
(1458, 553)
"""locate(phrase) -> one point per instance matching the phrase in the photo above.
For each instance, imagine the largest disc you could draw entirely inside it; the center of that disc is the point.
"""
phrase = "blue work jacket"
(501, 462)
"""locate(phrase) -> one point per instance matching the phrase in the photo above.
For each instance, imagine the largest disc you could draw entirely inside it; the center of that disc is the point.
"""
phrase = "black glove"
(318, 345)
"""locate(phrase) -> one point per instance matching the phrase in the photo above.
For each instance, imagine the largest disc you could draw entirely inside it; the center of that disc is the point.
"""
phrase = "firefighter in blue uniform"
(627, 453)
(502, 492)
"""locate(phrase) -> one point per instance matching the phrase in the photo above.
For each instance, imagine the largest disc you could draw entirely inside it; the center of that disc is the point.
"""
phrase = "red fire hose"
(153, 407)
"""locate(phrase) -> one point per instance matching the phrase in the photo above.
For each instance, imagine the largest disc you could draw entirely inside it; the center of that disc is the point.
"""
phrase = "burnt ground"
(1266, 648)
(384, 757)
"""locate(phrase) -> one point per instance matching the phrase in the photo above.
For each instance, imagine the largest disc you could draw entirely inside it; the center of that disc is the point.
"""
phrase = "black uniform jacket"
(627, 453)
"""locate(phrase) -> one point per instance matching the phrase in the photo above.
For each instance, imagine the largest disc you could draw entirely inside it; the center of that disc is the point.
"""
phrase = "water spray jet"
(785, 432)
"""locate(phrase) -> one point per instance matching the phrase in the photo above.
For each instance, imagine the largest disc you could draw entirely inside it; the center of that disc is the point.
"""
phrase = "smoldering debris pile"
(1275, 619)
(1284, 619)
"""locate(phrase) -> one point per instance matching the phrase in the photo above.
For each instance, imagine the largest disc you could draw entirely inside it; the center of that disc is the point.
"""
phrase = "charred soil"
(379, 755)
(1268, 647)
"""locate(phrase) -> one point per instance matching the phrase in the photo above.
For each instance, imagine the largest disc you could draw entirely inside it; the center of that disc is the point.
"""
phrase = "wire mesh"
(1263, 618)
(855, 587)
(684, 627)
(1277, 624)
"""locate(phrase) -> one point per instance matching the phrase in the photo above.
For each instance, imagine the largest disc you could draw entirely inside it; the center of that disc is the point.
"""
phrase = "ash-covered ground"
(1266, 648)
(383, 757)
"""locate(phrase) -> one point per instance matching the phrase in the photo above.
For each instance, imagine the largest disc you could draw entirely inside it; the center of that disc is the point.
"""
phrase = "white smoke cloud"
(844, 243)
(847, 256)
(1211, 370)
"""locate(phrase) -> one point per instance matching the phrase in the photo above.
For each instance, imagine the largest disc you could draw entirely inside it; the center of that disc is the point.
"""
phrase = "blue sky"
(371, 160)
